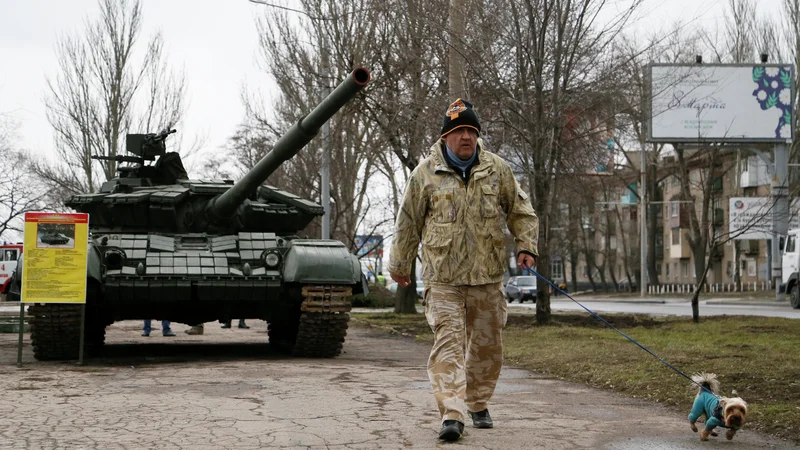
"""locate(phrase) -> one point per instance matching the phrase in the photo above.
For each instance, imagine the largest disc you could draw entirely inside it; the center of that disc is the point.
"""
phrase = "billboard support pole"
(643, 222)
(83, 329)
(780, 211)
(21, 330)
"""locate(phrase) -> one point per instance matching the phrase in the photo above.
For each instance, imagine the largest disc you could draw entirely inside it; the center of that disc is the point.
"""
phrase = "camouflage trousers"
(467, 353)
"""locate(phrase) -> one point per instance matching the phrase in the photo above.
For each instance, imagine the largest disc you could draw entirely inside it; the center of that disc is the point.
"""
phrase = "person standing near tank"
(165, 328)
(455, 203)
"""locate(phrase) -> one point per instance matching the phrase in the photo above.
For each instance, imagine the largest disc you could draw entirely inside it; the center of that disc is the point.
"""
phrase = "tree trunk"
(543, 312)
(405, 300)
(696, 295)
(573, 270)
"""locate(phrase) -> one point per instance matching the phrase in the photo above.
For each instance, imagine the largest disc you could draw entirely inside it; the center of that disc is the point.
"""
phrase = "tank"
(164, 246)
(53, 238)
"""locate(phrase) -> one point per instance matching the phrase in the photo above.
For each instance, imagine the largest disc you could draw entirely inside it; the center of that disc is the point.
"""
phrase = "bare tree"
(19, 192)
(108, 84)
(547, 68)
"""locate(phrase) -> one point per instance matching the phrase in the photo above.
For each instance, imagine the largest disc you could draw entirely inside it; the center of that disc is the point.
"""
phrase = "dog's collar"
(718, 415)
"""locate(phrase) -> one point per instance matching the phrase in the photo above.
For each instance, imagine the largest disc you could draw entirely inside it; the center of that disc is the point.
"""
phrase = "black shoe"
(451, 430)
(246, 327)
(226, 325)
(481, 419)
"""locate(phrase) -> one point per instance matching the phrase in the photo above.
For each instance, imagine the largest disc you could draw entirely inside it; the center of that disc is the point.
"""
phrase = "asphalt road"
(226, 389)
(672, 306)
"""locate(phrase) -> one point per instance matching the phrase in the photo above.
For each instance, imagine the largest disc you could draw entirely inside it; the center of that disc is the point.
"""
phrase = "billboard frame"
(732, 140)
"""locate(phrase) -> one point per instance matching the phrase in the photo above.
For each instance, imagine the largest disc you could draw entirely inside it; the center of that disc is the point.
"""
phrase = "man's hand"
(526, 260)
(402, 281)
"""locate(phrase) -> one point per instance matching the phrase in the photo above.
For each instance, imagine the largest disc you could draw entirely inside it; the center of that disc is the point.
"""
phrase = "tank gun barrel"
(289, 144)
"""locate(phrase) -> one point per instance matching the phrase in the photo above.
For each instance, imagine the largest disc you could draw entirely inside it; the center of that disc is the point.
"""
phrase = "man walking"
(455, 204)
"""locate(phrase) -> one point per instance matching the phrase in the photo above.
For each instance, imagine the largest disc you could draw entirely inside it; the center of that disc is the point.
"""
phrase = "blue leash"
(618, 330)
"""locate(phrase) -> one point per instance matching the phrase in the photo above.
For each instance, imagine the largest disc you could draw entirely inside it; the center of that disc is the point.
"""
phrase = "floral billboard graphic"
(774, 90)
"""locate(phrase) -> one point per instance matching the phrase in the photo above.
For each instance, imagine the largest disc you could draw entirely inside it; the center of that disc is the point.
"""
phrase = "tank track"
(55, 331)
(319, 326)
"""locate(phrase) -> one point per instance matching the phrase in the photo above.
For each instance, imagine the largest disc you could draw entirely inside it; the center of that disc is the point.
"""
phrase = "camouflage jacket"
(461, 227)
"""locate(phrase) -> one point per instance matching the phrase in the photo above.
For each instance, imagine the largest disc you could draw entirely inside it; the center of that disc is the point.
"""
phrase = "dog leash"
(596, 316)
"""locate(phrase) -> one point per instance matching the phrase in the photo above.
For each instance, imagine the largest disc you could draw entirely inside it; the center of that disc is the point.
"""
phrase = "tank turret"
(160, 197)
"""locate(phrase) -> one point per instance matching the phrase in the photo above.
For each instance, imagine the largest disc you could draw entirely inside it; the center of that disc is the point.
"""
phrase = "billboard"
(752, 217)
(371, 246)
(721, 103)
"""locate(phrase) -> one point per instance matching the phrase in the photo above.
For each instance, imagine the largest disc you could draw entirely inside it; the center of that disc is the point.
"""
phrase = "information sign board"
(54, 267)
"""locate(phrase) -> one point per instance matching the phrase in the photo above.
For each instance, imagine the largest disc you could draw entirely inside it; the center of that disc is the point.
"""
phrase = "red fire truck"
(9, 255)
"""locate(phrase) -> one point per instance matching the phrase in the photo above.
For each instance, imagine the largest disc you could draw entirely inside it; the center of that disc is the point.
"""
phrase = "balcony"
(681, 250)
(681, 219)
(716, 184)
(750, 247)
(659, 250)
(719, 217)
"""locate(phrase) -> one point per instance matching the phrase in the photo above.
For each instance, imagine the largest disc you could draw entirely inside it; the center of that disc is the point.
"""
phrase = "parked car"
(420, 288)
(521, 288)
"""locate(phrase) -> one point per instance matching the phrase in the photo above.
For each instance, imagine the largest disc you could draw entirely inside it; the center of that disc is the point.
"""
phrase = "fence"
(753, 286)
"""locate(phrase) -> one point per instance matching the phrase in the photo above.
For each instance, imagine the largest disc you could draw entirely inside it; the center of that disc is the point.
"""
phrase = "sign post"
(54, 266)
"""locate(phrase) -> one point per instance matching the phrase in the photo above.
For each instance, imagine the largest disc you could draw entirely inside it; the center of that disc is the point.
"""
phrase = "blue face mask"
(458, 162)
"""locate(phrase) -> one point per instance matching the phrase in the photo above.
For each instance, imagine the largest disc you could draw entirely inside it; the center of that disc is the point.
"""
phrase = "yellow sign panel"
(54, 264)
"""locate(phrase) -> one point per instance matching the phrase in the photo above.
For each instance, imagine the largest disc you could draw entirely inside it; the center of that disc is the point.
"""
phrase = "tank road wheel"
(794, 296)
(55, 331)
(282, 330)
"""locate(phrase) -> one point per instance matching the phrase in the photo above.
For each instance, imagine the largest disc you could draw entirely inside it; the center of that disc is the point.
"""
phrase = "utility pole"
(325, 170)
(457, 29)
(780, 210)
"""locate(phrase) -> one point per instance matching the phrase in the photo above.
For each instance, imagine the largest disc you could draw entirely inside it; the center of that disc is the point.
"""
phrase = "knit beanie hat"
(460, 114)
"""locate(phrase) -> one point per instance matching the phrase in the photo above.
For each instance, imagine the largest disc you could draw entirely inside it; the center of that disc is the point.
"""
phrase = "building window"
(613, 243)
(685, 268)
(673, 209)
(675, 269)
(676, 236)
(729, 269)
(666, 266)
(751, 268)
(557, 269)
(745, 164)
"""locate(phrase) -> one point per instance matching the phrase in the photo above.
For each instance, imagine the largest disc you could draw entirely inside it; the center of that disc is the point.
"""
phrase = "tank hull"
(302, 291)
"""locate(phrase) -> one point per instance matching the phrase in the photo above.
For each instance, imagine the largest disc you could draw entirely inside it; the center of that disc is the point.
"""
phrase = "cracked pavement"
(226, 389)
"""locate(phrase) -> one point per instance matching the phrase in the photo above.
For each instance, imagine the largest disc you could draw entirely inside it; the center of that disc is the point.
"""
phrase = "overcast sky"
(214, 40)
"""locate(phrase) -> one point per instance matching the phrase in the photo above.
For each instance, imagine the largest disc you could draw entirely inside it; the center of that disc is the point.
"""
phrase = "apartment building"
(612, 225)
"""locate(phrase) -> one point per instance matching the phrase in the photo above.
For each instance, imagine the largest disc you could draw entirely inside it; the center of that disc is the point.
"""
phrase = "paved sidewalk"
(226, 390)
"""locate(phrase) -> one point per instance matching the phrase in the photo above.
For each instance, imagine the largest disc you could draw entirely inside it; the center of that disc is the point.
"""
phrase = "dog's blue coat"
(705, 404)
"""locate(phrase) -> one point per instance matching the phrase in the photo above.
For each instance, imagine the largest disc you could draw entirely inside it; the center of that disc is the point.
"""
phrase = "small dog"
(727, 412)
